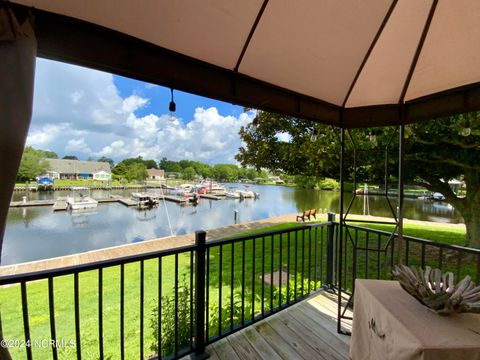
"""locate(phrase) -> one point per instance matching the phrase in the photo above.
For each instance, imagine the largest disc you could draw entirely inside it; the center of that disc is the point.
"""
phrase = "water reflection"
(39, 233)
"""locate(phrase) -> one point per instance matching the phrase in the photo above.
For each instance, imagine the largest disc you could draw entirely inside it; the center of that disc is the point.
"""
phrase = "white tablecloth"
(388, 323)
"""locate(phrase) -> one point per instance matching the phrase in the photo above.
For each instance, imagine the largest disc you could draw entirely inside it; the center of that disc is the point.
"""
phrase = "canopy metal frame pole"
(343, 233)
(340, 231)
(401, 161)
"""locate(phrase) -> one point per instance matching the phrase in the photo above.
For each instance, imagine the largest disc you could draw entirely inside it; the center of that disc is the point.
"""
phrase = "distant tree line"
(189, 170)
(34, 164)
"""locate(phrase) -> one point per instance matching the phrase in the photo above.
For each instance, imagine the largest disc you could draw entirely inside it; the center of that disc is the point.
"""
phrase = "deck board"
(242, 347)
(283, 348)
(306, 330)
(295, 338)
(224, 350)
(321, 340)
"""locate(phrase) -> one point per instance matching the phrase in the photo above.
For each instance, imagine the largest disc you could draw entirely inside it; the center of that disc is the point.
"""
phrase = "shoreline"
(170, 242)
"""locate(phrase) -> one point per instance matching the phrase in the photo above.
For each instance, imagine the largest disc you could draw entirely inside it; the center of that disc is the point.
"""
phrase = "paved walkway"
(172, 242)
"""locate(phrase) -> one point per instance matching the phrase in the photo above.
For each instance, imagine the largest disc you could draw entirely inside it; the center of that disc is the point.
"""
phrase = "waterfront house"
(78, 170)
(156, 175)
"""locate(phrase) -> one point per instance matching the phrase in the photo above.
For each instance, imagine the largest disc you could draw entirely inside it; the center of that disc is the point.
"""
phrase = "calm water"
(39, 233)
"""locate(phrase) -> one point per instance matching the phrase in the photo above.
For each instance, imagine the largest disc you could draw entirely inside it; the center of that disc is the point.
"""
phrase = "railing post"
(330, 250)
(200, 241)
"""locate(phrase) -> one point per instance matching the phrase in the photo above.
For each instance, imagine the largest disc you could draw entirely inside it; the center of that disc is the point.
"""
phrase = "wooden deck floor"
(307, 330)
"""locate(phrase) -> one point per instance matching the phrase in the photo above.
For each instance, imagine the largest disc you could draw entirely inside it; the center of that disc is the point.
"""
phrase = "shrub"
(168, 320)
(183, 320)
(328, 184)
(291, 288)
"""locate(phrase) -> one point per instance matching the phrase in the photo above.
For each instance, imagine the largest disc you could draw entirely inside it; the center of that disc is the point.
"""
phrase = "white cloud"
(77, 145)
(133, 103)
(82, 113)
(117, 148)
(76, 96)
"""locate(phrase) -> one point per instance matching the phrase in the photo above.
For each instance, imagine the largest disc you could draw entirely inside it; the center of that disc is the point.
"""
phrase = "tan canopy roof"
(350, 62)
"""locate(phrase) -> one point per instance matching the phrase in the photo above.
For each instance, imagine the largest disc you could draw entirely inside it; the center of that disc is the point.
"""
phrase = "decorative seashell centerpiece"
(438, 291)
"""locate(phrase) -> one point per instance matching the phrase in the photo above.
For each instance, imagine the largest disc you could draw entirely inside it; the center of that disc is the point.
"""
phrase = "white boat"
(184, 189)
(145, 199)
(212, 187)
(80, 199)
(215, 189)
(232, 194)
(246, 194)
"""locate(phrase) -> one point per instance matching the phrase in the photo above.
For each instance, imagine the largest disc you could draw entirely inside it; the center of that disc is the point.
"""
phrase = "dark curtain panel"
(18, 48)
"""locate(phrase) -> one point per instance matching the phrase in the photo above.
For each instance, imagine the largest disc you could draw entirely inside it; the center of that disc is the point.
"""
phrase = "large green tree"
(225, 172)
(189, 173)
(131, 169)
(436, 152)
(33, 164)
(169, 165)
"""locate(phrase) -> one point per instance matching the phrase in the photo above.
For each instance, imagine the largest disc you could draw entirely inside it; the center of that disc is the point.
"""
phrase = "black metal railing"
(251, 277)
(112, 295)
(170, 303)
(370, 254)
(174, 302)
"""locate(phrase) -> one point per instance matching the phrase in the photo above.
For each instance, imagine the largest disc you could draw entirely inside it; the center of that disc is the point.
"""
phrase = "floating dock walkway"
(60, 204)
(176, 199)
(128, 202)
(210, 197)
(32, 203)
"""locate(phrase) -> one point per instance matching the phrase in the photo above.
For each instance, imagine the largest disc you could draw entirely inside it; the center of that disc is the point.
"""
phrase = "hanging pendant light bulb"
(466, 131)
(172, 107)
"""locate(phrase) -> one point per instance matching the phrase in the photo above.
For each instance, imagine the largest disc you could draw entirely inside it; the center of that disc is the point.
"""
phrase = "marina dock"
(172, 198)
(210, 197)
(127, 202)
(31, 203)
(60, 204)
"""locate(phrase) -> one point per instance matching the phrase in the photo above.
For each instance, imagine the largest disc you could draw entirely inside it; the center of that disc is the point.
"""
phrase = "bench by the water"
(307, 214)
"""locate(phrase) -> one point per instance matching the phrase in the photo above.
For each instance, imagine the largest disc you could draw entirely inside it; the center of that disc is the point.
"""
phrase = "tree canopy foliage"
(48, 154)
(131, 169)
(33, 164)
(436, 151)
(107, 160)
(219, 172)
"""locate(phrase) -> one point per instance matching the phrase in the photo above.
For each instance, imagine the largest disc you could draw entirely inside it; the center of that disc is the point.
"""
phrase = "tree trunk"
(471, 216)
(471, 208)
(468, 206)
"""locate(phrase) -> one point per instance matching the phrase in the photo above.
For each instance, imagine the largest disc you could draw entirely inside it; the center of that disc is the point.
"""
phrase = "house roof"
(156, 172)
(350, 63)
(64, 166)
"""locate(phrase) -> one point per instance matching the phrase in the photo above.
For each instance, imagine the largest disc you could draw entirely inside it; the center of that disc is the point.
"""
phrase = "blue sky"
(88, 113)
(160, 98)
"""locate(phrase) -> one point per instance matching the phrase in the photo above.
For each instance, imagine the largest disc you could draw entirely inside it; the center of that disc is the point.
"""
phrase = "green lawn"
(302, 258)
(438, 232)
(11, 311)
